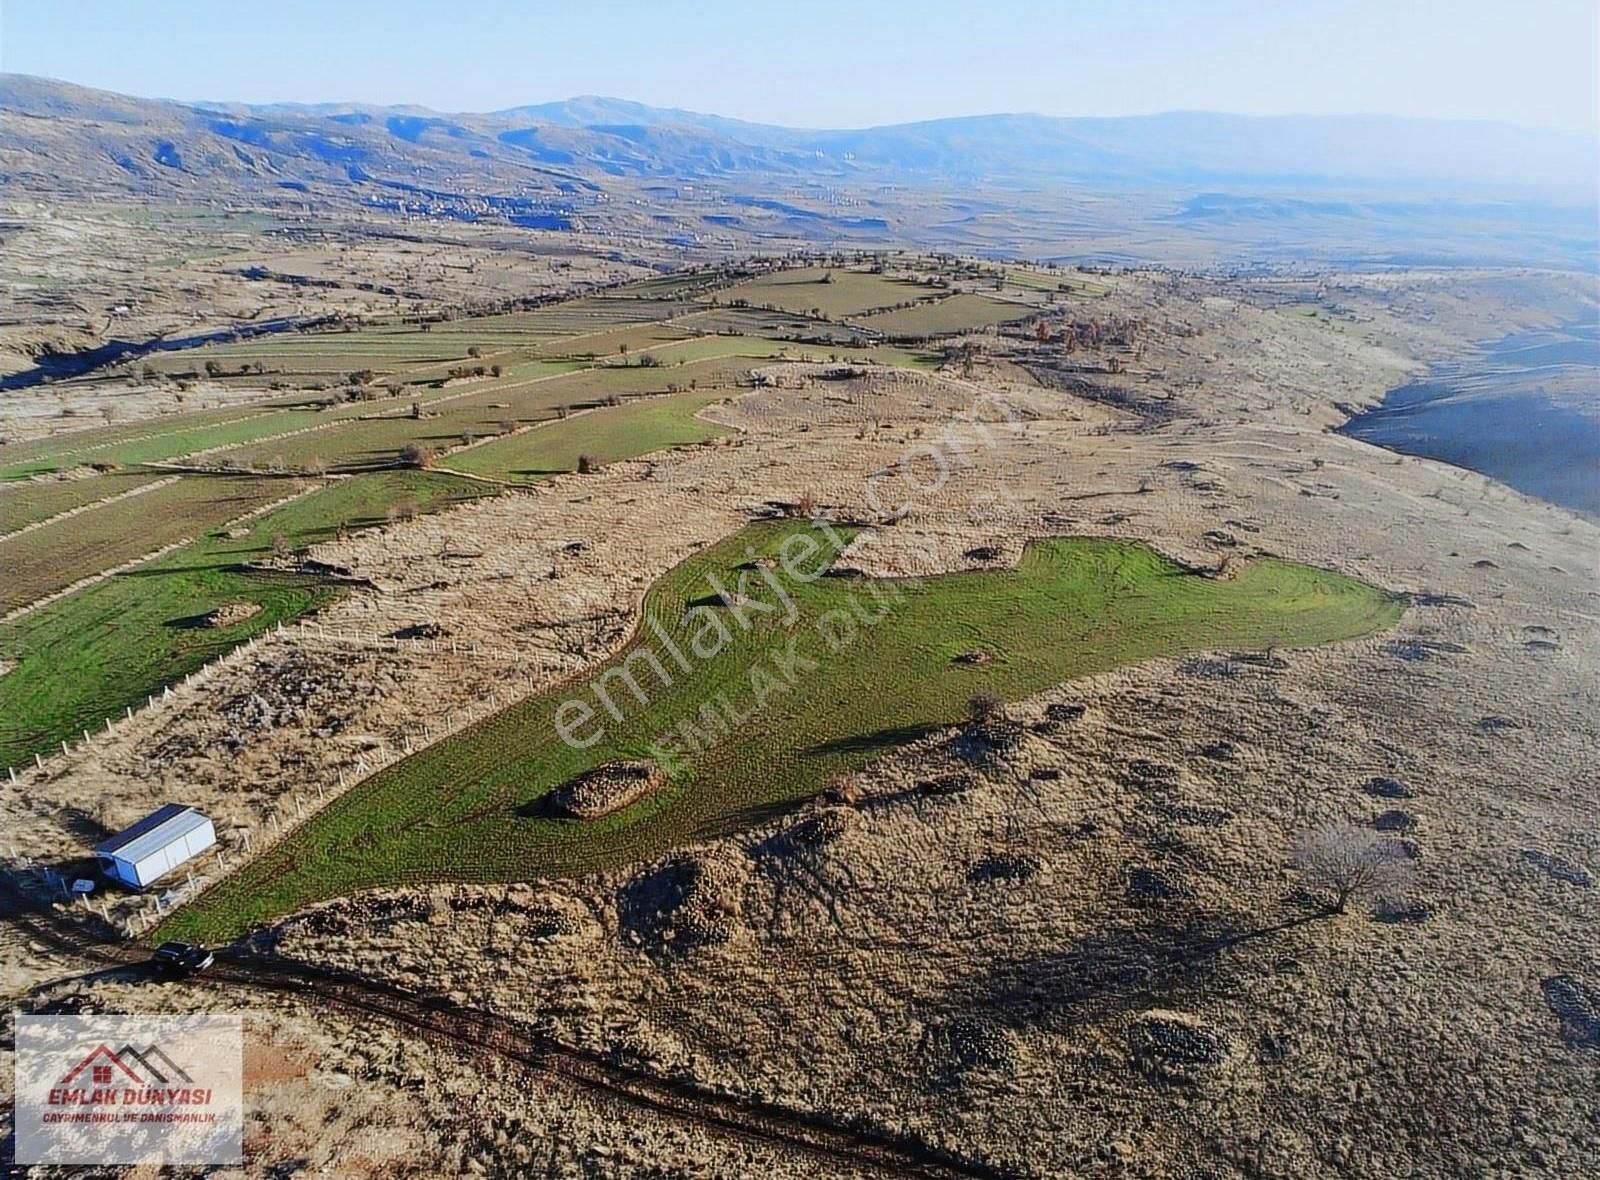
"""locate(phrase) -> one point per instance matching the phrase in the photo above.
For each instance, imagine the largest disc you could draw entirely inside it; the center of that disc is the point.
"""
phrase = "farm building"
(157, 844)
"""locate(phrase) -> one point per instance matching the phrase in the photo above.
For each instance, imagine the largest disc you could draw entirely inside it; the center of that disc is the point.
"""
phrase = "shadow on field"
(1113, 971)
(746, 818)
(876, 741)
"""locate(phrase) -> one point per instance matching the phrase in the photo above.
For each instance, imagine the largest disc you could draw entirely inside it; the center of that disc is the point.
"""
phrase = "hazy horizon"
(828, 69)
(312, 104)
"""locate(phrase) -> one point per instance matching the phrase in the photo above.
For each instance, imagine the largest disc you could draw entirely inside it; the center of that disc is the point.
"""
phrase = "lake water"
(1524, 410)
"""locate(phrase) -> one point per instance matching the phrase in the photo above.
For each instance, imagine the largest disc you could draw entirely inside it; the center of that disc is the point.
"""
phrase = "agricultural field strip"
(504, 388)
(12, 616)
(849, 293)
(398, 414)
(443, 462)
(187, 516)
(62, 680)
(31, 454)
(294, 347)
(460, 809)
(390, 432)
(611, 433)
(40, 561)
(154, 483)
(940, 317)
(9, 459)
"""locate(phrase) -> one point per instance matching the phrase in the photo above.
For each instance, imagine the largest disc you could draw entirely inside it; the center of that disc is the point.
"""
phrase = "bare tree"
(1347, 863)
(417, 455)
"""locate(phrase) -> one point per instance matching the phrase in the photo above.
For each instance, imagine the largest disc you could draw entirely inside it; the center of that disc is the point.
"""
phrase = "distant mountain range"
(149, 138)
(554, 165)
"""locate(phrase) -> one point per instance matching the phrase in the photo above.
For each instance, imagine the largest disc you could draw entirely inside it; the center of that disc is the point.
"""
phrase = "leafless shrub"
(985, 706)
(588, 464)
(1347, 863)
(417, 455)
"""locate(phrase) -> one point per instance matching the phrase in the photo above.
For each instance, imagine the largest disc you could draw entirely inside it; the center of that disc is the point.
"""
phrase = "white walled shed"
(157, 844)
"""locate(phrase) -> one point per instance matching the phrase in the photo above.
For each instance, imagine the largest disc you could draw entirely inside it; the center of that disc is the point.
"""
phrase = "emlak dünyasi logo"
(171, 1094)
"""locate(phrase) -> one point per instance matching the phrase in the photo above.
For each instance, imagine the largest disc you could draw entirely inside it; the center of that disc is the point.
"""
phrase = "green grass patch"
(956, 313)
(803, 291)
(28, 502)
(83, 658)
(872, 664)
(609, 435)
(154, 441)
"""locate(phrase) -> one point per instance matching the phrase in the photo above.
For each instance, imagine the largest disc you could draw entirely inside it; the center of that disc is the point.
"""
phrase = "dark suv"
(181, 958)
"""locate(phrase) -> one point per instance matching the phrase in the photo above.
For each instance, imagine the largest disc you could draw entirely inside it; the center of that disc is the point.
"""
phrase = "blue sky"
(841, 64)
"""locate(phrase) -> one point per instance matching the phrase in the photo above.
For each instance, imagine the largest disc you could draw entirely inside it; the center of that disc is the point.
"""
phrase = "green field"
(44, 560)
(84, 657)
(803, 291)
(608, 434)
(25, 502)
(955, 313)
(480, 410)
(137, 442)
(1066, 282)
(464, 809)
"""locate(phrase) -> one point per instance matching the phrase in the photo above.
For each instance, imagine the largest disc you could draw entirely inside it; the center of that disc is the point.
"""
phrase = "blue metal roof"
(156, 830)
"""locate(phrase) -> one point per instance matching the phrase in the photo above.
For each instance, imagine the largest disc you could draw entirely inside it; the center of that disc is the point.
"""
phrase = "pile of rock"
(1176, 1046)
(684, 903)
(607, 789)
(955, 1047)
(231, 613)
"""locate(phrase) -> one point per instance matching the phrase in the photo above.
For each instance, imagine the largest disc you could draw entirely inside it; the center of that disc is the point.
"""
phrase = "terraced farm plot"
(147, 442)
(712, 347)
(754, 348)
(44, 560)
(668, 286)
(515, 367)
(84, 657)
(955, 313)
(631, 338)
(624, 380)
(608, 435)
(764, 710)
(28, 502)
(1063, 281)
(574, 317)
(396, 348)
(764, 324)
(477, 411)
(846, 293)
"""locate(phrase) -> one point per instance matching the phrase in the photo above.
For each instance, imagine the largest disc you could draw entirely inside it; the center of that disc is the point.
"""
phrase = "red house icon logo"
(107, 1068)
(102, 1065)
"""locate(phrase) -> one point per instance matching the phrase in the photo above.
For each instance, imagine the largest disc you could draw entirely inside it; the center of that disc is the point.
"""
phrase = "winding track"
(860, 1149)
